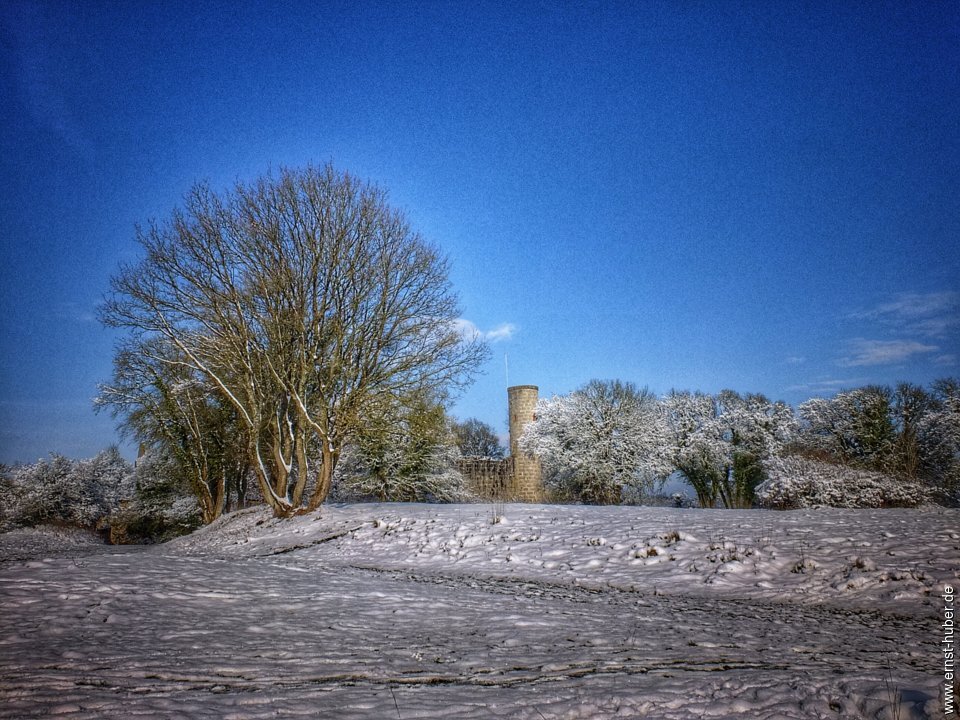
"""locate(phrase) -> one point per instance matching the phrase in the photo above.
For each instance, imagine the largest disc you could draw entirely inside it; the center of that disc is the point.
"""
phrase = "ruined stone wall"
(487, 478)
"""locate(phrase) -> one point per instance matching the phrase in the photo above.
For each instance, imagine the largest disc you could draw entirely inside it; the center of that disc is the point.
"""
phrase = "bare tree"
(477, 439)
(305, 300)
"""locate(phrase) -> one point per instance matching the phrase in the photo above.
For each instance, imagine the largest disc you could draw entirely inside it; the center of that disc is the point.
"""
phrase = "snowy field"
(432, 611)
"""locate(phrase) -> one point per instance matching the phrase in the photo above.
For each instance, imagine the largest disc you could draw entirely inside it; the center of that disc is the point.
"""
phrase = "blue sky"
(691, 195)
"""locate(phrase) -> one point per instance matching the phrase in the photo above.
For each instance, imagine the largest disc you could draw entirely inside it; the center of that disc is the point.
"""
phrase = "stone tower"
(527, 482)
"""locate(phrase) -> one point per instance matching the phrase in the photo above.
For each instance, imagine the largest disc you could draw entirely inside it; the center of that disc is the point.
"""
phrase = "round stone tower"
(527, 484)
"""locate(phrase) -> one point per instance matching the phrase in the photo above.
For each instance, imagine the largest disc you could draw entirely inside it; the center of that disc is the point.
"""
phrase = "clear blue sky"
(762, 196)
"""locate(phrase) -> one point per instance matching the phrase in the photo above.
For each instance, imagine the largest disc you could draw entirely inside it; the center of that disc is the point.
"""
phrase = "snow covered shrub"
(798, 482)
(157, 504)
(60, 490)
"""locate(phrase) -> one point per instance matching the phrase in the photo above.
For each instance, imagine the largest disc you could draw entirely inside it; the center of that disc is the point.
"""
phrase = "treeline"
(105, 494)
(608, 442)
(411, 458)
(870, 446)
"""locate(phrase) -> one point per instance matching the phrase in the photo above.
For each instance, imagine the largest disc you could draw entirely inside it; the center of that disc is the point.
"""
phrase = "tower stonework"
(527, 481)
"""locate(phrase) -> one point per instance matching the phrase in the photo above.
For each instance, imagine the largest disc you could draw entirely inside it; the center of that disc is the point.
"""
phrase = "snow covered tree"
(599, 440)
(9, 499)
(477, 439)
(938, 433)
(854, 427)
(696, 445)
(306, 301)
(719, 443)
(909, 405)
(756, 430)
(171, 407)
(406, 453)
(908, 433)
(42, 492)
(101, 479)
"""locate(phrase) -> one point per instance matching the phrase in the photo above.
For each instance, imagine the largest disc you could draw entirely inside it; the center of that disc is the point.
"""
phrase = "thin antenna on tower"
(506, 368)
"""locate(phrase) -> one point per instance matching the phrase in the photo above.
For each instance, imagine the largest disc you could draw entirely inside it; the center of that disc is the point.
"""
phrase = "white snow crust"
(437, 611)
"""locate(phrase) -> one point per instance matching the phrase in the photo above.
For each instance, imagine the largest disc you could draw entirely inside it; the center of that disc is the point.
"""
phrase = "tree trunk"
(324, 478)
(303, 468)
(278, 504)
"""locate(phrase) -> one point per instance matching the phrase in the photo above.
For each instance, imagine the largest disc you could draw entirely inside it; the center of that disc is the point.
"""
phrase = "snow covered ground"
(426, 611)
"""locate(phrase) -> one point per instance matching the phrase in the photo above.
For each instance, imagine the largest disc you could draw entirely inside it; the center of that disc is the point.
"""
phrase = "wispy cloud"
(883, 352)
(504, 331)
(932, 315)
(794, 360)
(823, 387)
(916, 325)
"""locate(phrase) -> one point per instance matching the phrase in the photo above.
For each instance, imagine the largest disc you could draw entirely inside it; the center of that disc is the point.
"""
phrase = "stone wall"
(488, 478)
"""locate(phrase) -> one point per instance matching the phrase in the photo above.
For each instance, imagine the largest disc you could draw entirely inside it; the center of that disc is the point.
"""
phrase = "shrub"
(797, 482)
(399, 475)
(157, 506)
(59, 490)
